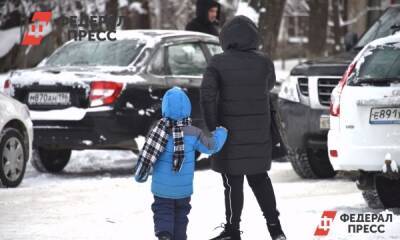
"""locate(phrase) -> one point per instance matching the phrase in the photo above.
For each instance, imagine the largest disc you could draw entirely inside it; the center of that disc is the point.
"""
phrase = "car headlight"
(289, 90)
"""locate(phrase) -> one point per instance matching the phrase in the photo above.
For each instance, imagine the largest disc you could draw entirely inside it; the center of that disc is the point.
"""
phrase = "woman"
(235, 94)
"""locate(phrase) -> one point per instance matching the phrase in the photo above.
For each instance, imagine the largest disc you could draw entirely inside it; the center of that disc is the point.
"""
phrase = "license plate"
(49, 98)
(324, 122)
(384, 116)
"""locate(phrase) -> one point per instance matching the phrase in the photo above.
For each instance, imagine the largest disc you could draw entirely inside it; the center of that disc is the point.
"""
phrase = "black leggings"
(262, 189)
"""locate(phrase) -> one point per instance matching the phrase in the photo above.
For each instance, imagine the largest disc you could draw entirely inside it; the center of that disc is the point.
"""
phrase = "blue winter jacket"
(165, 182)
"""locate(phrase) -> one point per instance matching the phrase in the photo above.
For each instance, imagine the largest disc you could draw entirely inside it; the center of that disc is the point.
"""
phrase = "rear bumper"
(354, 158)
(301, 125)
(96, 130)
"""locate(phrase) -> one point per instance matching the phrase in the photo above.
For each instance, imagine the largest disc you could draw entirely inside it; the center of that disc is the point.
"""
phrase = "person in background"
(169, 150)
(235, 93)
(207, 17)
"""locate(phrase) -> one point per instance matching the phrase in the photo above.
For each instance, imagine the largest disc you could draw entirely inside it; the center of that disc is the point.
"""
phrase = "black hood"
(202, 7)
(240, 34)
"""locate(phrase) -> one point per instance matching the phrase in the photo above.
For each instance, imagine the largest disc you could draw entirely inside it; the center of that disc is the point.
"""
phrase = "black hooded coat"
(201, 22)
(235, 94)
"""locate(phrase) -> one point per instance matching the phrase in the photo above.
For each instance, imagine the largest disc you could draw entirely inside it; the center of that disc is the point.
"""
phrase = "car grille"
(303, 85)
(325, 87)
(77, 96)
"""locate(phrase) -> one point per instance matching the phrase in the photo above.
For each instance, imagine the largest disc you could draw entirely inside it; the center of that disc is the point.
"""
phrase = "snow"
(282, 70)
(137, 6)
(96, 198)
(246, 10)
(67, 114)
(123, 3)
(9, 38)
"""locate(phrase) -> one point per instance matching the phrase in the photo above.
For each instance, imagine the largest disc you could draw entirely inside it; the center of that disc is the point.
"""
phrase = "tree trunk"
(337, 29)
(271, 12)
(171, 14)
(318, 26)
(112, 10)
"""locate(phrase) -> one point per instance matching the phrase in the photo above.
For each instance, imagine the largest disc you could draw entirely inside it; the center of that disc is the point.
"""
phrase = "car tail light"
(333, 153)
(7, 87)
(104, 93)
(337, 91)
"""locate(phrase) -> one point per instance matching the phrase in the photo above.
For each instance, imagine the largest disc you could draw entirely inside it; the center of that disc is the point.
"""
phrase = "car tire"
(50, 161)
(12, 161)
(372, 199)
(388, 191)
(311, 164)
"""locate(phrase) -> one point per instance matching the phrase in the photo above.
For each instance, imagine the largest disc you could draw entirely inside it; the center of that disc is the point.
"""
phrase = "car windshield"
(97, 53)
(379, 65)
(381, 28)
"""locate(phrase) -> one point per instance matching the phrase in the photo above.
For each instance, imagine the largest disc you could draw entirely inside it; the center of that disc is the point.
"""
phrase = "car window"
(381, 28)
(378, 64)
(214, 48)
(186, 59)
(157, 65)
(98, 53)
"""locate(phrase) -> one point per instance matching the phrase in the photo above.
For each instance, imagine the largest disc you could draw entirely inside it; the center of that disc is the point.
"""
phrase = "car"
(365, 122)
(103, 94)
(16, 136)
(304, 100)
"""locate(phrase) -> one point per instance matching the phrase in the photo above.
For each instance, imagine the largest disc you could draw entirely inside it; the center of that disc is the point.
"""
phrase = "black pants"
(262, 189)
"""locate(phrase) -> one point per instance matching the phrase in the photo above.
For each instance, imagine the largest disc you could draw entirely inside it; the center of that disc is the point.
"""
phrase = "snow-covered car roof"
(386, 40)
(151, 37)
(151, 33)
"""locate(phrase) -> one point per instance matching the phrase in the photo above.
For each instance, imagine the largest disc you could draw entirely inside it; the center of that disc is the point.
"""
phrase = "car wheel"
(311, 164)
(372, 199)
(13, 157)
(388, 191)
(52, 161)
(300, 163)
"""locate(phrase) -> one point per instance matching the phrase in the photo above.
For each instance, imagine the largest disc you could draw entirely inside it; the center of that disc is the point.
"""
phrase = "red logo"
(325, 224)
(35, 34)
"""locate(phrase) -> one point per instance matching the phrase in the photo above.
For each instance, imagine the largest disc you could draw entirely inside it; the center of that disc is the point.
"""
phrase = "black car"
(304, 100)
(103, 94)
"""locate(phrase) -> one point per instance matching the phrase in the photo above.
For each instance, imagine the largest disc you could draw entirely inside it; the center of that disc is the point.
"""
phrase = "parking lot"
(97, 198)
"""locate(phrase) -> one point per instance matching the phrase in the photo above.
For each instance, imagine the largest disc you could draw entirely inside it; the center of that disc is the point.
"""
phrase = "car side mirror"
(350, 40)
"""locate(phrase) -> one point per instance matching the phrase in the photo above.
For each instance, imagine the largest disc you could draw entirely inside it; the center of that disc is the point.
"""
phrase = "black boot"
(229, 233)
(164, 236)
(275, 230)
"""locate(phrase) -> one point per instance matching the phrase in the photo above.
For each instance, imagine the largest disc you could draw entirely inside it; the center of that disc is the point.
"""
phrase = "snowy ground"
(96, 198)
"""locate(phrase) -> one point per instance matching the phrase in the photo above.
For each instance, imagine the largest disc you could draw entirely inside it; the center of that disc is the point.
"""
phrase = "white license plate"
(324, 122)
(385, 116)
(49, 98)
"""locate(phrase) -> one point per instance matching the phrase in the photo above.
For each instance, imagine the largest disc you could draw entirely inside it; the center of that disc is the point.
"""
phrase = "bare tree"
(171, 14)
(337, 29)
(271, 12)
(318, 26)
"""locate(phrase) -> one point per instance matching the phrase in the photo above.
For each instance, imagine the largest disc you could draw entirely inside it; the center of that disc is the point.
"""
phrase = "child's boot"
(164, 236)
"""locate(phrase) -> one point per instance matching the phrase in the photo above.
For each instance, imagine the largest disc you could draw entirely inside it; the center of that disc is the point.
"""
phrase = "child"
(170, 149)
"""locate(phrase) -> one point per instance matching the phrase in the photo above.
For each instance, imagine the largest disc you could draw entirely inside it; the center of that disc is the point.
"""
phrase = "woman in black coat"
(235, 94)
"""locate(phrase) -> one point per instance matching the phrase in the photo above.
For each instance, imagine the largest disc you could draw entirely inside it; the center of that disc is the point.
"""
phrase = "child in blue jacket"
(170, 151)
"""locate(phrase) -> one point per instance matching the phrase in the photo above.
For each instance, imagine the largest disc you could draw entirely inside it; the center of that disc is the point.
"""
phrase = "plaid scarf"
(155, 145)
